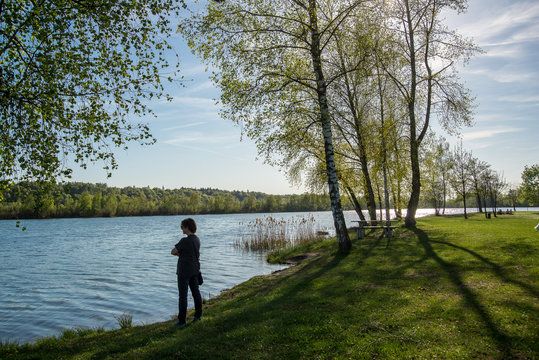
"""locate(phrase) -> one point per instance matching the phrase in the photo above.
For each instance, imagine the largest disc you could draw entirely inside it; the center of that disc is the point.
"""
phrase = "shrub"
(125, 320)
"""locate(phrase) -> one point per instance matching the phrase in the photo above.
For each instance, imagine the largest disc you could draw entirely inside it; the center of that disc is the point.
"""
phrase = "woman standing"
(188, 252)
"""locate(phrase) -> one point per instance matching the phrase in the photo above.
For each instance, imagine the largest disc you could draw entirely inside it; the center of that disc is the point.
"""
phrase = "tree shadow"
(497, 269)
(233, 322)
(502, 340)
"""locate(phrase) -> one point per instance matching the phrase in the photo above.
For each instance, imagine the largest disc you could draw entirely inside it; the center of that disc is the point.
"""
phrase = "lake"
(68, 273)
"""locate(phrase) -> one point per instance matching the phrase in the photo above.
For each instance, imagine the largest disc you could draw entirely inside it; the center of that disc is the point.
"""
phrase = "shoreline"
(431, 286)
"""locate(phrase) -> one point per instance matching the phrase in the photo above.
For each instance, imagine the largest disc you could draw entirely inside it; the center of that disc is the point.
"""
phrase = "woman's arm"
(174, 251)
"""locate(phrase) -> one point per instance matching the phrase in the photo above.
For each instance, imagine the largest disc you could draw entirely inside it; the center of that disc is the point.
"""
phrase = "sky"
(195, 148)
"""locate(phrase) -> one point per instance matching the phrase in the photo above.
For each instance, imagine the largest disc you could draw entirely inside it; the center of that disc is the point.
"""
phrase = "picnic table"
(367, 224)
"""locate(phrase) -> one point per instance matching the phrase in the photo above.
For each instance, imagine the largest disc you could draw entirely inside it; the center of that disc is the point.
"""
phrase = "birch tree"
(427, 79)
(271, 65)
(352, 104)
(436, 166)
(478, 170)
(497, 185)
(460, 179)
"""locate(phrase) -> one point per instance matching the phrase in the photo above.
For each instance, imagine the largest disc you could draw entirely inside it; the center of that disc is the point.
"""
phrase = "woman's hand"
(174, 251)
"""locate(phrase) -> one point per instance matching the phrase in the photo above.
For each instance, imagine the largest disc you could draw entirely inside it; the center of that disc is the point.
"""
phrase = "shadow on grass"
(307, 312)
(497, 269)
(234, 325)
(112, 344)
(502, 340)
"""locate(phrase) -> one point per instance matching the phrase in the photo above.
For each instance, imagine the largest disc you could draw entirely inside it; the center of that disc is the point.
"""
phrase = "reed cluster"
(269, 233)
(125, 320)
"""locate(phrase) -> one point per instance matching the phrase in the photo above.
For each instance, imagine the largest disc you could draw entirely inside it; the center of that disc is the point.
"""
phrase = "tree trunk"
(386, 192)
(477, 195)
(493, 203)
(398, 213)
(379, 193)
(331, 169)
(410, 221)
(445, 193)
(384, 152)
(478, 199)
(464, 198)
(357, 205)
(397, 203)
(371, 202)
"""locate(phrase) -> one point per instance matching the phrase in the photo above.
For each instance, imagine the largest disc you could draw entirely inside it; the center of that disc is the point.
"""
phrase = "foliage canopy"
(71, 75)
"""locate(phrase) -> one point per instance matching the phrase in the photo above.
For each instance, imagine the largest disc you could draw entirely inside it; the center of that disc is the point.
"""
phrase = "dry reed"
(269, 233)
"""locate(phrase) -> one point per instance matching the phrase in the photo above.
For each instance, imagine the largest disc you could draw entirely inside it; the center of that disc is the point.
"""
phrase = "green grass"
(452, 289)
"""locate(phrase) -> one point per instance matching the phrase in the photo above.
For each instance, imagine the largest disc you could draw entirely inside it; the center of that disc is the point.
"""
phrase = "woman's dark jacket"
(188, 256)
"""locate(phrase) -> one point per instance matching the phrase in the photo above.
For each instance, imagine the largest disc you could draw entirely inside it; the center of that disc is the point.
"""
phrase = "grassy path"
(452, 289)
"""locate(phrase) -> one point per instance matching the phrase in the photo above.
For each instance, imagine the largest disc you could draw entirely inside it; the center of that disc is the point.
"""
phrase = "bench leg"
(360, 233)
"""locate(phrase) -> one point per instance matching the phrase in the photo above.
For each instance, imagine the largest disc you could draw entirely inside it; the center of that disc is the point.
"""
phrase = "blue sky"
(505, 81)
(195, 148)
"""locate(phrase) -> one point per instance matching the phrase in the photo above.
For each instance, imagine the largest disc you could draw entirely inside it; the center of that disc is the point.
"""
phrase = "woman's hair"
(190, 224)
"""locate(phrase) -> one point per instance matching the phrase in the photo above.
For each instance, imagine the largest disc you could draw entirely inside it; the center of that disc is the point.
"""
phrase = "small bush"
(125, 320)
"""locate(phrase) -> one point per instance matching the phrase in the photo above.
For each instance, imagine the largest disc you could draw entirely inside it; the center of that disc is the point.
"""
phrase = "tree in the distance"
(479, 171)
(436, 167)
(460, 174)
(497, 184)
(530, 184)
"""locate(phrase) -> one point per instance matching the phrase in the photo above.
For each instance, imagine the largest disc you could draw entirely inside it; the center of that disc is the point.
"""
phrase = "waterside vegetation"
(271, 233)
(451, 288)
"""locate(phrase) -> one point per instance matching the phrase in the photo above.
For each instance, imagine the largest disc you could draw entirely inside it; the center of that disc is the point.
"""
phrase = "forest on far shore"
(76, 199)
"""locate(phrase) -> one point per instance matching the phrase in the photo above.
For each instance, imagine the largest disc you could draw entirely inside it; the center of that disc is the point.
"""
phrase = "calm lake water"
(68, 273)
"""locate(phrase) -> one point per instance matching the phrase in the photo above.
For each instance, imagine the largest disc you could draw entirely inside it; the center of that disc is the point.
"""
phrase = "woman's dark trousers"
(192, 283)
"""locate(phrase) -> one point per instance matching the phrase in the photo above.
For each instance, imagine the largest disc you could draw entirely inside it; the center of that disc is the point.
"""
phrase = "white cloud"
(511, 77)
(193, 70)
(186, 115)
(521, 99)
(509, 51)
(193, 124)
(485, 134)
(504, 75)
(203, 144)
(199, 138)
(515, 23)
(205, 86)
(199, 102)
(481, 145)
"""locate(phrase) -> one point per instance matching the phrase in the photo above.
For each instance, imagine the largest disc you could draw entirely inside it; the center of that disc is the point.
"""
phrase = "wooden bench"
(362, 226)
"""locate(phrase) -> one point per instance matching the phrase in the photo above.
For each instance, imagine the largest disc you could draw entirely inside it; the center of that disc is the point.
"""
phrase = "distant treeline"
(77, 199)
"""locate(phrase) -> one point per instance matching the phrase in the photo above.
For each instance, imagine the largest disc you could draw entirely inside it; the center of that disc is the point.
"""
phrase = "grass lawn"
(451, 289)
